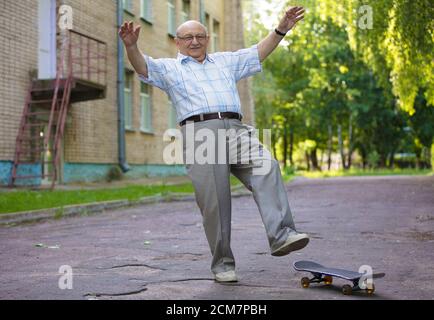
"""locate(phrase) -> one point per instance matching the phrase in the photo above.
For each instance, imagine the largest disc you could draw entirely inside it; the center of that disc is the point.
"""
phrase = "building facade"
(90, 143)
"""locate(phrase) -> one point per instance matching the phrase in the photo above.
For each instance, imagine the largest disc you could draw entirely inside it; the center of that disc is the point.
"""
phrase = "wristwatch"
(279, 33)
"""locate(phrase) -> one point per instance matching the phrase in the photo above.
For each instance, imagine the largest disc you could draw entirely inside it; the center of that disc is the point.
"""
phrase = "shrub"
(114, 174)
(373, 158)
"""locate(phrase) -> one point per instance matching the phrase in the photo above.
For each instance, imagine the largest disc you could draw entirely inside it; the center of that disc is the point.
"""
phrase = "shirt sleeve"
(156, 72)
(244, 62)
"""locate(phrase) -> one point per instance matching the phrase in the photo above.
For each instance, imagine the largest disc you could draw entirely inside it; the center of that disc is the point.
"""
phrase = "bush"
(114, 174)
(373, 158)
(289, 170)
(432, 156)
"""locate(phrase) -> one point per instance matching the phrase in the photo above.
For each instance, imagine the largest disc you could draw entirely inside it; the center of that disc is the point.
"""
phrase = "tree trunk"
(341, 146)
(314, 159)
(306, 154)
(291, 145)
(363, 154)
(329, 147)
(383, 158)
(285, 146)
(430, 163)
(273, 144)
(392, 159)
(321, 160)
(350, 141)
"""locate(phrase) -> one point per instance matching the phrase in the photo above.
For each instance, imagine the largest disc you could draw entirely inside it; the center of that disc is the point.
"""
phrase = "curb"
(12, 219)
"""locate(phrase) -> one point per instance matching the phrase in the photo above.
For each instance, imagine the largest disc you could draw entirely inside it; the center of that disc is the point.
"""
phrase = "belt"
(210, 116)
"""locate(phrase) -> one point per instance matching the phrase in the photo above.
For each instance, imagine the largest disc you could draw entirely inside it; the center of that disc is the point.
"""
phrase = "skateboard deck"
(324, 274)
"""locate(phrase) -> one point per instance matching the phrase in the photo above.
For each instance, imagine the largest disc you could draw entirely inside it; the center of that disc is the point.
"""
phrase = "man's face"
(192, 41)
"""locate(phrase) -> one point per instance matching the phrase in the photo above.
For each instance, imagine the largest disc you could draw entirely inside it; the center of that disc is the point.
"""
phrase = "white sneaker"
(295, 241)
(227, 276)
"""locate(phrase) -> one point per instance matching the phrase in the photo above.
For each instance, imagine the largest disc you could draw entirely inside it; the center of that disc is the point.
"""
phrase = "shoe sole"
(297, 245)
(226, 281)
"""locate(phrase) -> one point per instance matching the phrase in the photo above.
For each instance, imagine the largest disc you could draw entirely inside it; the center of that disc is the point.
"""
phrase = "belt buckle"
(220, 116)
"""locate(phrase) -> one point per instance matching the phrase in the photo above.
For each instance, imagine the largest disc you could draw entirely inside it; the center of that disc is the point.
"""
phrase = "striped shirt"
(196, 88)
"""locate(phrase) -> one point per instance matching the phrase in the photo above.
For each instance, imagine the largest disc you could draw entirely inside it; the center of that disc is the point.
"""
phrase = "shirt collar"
(183, 58)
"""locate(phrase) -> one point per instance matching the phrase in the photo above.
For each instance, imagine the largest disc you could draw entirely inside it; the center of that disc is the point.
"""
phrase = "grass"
(366, 172)
(26, 200)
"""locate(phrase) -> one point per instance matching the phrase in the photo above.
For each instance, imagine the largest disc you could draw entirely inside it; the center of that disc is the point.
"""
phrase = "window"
(208, 26)
(146, 10)
(145, 108)
(186, 13)
(202, 12)
(128, 5)
(172, 116)
(128, 100)
(215, 36)
(171, 17)
(207, 19)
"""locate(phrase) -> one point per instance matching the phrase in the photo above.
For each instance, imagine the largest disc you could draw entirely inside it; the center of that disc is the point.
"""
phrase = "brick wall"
(91, 130)
(18, 56)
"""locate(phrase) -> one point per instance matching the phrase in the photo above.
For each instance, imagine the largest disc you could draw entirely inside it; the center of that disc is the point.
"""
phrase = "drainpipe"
(120, 87)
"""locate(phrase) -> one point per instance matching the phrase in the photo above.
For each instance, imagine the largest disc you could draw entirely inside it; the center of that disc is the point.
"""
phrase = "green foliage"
(374, 84)
(399, 47)
(114, 174)
(432, 156)
(373, 159)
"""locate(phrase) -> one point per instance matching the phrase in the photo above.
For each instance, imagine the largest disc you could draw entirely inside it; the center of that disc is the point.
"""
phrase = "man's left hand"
(291, 17)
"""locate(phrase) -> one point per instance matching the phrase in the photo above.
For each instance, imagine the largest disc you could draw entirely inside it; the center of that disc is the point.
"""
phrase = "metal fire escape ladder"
(81, 75)
(39, 137)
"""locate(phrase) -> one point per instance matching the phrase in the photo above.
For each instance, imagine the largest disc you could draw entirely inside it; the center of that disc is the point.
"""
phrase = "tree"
(399, 47)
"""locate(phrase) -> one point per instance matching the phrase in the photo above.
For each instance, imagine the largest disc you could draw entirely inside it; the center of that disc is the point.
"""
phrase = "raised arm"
(291, 17)
(129, 36)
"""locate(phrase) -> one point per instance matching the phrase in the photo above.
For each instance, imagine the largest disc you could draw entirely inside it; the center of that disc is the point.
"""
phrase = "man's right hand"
(129, 34)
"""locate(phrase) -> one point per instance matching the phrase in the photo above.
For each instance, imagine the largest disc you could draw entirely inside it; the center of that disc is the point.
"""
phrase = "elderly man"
(203, 90)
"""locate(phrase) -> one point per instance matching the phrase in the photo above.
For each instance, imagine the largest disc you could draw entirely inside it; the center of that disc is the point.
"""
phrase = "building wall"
(18, 58)
(91, 136)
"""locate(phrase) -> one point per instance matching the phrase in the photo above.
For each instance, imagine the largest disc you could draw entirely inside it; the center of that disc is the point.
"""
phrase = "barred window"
(145, 108)
(216, 36)
(171, 17)
(128, 5)
(128, 100)
(186, 12)
(146, 10)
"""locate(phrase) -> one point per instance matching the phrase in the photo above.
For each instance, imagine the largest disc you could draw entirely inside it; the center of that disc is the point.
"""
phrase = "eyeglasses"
(189, 38)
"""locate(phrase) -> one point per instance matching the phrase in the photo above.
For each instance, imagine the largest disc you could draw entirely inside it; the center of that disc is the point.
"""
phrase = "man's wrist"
(131, 47)
(280, 33)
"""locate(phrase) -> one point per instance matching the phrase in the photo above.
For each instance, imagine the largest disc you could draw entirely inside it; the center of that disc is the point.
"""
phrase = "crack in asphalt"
(143, 289)
(98, 294)
(135, 265)
(231, 284)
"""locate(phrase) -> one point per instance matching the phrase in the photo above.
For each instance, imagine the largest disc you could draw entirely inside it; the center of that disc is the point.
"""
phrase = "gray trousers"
(211, 181)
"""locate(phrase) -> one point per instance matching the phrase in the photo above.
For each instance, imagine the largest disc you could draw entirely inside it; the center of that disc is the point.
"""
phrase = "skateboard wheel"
(328, 279)
(347, 290)
(305, 282)
(370, 290)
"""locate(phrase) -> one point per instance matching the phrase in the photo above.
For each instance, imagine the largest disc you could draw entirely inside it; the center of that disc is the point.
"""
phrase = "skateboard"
(325, 274)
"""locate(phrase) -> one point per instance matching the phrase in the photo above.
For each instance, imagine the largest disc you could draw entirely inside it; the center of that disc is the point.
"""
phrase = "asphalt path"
(159, 251)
